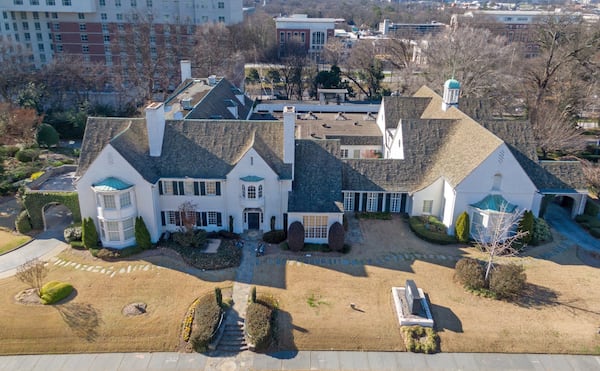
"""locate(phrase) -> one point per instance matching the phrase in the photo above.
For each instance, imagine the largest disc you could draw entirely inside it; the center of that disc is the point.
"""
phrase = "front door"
(253, 220)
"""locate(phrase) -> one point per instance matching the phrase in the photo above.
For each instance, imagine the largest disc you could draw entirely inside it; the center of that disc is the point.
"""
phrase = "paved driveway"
(559, 219)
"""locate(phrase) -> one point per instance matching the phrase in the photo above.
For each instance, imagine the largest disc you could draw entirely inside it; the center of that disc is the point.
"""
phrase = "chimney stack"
(155, 125)
(289, 123)
(186, 69)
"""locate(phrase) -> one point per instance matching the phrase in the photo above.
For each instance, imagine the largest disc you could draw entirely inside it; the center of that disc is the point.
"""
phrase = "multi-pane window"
(348, 201)
(251, 192)
(50, 2)
(344, 153)
(85, 49)
(133, 3)
(427, 206)
(128, 229)
(168, 188)
(102, 2)
(221, 5)
(395, 202)
(117, 3)
(211, 188)
(221, 19)
(84, 37)
(66, 2)
(260, 191)
(125, 199)
(212, 217)
(315, 226)
(112, 231)
(174, 217)
(109, 201)
(189, 188)
(119, 16)
(103, 16)
(80, 15)
(372, 201)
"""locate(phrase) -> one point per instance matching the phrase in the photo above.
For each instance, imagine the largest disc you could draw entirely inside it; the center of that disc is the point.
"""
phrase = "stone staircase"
(232, 340)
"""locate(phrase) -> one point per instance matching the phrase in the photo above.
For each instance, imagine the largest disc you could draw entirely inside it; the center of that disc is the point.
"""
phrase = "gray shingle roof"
(194, 148)
(561, 175)
(397, 108)
(215, 103)
(317, 177)
(347, 140)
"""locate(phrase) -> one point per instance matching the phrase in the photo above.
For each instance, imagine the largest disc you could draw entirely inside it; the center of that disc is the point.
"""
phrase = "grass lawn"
(561, 313)
(11, 240)
(92, 320)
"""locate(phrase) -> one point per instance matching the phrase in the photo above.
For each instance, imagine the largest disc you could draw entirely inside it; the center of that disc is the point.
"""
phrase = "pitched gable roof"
(194, 148)
(216, 102)
(403, 108)
(317, 177)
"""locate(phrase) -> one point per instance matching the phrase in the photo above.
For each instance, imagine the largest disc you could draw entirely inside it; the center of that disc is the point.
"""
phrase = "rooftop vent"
(369, 117)
(340, 116)
(186, 103)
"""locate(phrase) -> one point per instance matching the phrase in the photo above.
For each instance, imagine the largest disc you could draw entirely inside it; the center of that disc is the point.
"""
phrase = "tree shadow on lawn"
(538, 297)
(445, 319)
(284, 346)
(82, 318)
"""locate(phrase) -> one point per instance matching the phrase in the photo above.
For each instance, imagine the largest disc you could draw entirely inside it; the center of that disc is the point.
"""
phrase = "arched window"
(260, 191)
(251, 192)
(497, 182)
(243, 190)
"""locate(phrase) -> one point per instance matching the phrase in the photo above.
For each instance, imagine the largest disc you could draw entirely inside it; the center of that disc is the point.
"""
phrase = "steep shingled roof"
(215, 103)
(348, 140)
(194, 148)
(405, 108)
(317, 177)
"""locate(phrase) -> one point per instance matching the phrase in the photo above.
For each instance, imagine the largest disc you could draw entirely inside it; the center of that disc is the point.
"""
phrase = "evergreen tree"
(526, 225)
(89, 235)
(462, 227)
(142, 236)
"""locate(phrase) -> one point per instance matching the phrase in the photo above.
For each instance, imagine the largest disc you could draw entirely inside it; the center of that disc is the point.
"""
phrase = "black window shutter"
(202, 188)
(204, 222)
(196, 189)
(388, 200)
(162, 218)
(403, 203)
(356, 201)
(198, 219)
(364, 204)
(175, 189)
(219, 220)
(177, 218)
(218, 188)
(181, 190)
(380, 202)
(160, 189)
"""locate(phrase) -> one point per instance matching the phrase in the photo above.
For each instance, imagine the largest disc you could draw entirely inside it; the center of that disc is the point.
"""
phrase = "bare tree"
(187, 211)
(591, 171)
(33, 273)
(18, 125)
(553, 132)
(15, 69)
(498, 238)
(364, 70)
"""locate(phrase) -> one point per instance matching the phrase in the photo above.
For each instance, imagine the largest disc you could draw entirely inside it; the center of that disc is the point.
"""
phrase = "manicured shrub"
(72, 233)
(373, 215)
(207, 316)
(470, 273)
(430, 229)
(258, 326)
(89, 235)
(219, 296)
(115, 254)
(526, 225)
(27, 155)
(9, 151)
(77, 245)
(55, 291)
(507, 280)
(192, 238)
(296, 236)
(420, 339)
(23, 223)
(591, 208)
(142, 236)
(253, 294)
(462, 232)
(276, 236)
(47, 135)
(541, 232)
(336, 237)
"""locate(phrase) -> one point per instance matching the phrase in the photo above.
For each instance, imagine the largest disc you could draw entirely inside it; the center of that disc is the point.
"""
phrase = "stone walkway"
(109, 271)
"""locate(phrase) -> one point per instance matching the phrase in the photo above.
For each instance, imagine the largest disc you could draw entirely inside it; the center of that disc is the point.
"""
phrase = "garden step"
(233, 339)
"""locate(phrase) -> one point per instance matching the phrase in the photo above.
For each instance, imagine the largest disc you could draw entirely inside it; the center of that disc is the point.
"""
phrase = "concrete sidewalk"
(308, 360)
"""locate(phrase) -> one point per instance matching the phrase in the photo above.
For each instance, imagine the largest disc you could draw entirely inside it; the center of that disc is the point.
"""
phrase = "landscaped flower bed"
(227, 256)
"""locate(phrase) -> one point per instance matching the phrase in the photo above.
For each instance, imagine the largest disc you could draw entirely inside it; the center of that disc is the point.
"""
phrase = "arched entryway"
(570, 203)
(56, 216)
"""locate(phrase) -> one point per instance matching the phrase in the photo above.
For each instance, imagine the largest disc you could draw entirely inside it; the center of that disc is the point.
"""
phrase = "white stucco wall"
(434, 192)
(448, 207)
(515, 187)
(331, 218)
(275, 192)
(110, 163)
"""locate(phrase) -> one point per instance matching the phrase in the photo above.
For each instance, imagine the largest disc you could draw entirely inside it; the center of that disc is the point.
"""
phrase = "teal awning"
(495, 203)
(111, 184)
(251, 178)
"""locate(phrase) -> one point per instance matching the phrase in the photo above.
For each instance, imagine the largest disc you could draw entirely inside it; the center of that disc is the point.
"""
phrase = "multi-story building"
(410, 31)
(298, 30)
(95, 28)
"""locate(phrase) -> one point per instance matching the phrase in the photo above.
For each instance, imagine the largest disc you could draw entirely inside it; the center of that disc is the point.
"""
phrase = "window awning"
(111, 184)
(495, 203)
(252, 178)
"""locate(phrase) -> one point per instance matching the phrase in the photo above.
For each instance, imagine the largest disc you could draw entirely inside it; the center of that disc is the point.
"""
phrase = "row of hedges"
(506, 281)
(430, 229)
(373, 215)
(260, 316)
(207, 316)
(55, 291)
(275, 236)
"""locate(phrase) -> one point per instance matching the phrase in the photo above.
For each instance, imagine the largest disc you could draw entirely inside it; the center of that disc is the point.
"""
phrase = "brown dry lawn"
(11, 240)
(92, 320)
(560, 315)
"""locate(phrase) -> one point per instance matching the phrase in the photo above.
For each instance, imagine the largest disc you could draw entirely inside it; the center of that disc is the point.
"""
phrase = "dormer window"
(252, 187)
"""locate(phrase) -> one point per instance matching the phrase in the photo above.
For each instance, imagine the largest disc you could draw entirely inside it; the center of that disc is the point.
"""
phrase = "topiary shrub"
(507, 280)
(258, 326)
(462, 231)
(89, 235)
(47, 135)
(23, 223)
(541, 232)
(296, 236)
(526, 225)
(276, 236)
(253, 294)
(470, 273)
(336, 237)
(430, 229)
(591, 208)
(77, 245)
(55, 291)
(142, 236)
(207, 315)
(219, 296)
(72, 233)
(27, 155)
